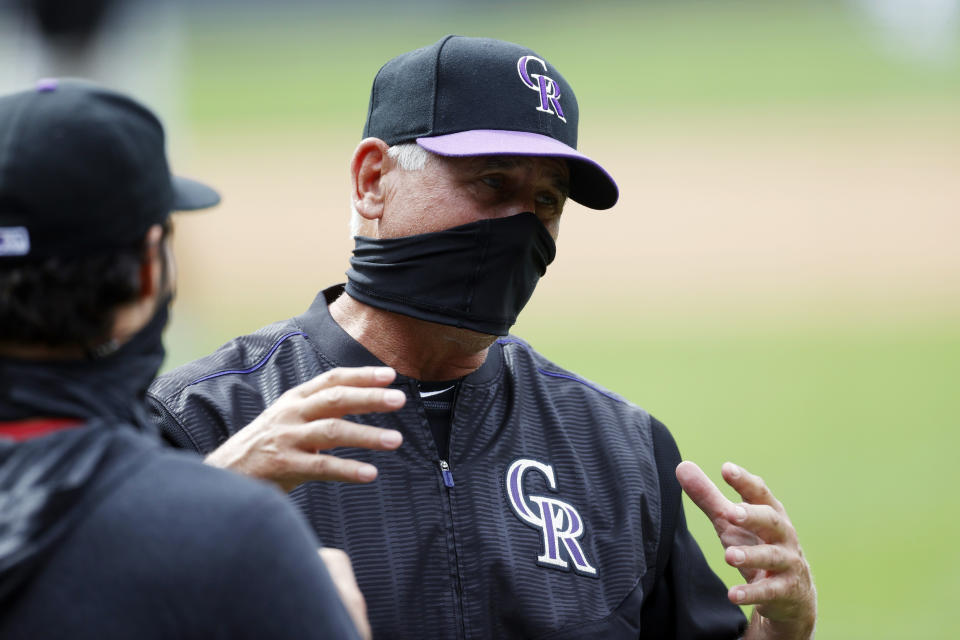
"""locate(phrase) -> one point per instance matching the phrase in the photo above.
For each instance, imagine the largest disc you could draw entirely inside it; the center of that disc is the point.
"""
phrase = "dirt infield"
(858, 213)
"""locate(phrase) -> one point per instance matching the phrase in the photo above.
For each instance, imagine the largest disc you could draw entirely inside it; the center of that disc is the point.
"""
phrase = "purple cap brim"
(590, 184)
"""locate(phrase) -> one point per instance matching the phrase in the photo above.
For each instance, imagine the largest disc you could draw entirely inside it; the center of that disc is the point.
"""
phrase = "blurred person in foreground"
(104, 533)
(525, 501)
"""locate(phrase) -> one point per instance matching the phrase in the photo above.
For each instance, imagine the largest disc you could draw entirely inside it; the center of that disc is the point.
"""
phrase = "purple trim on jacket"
(262, 362)
(554, 374)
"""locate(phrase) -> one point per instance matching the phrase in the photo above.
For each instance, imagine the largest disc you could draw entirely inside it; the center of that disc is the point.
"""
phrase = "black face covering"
(476, 276)
(109, 386)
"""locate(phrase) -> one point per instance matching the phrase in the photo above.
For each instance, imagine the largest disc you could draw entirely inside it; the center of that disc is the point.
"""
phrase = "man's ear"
(151, 263)
(368, 166)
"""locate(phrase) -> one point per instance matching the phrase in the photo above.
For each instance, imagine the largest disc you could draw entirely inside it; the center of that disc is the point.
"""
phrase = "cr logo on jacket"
(559, 522)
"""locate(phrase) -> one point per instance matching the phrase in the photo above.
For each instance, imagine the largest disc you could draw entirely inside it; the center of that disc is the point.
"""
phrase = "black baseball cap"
(83, 169)
(478, 96)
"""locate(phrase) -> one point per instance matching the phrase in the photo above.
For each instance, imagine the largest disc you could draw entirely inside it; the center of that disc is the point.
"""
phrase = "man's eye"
(547, 199)
(494, 182)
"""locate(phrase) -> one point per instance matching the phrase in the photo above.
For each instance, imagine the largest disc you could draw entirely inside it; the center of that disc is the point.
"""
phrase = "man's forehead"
(557, 166)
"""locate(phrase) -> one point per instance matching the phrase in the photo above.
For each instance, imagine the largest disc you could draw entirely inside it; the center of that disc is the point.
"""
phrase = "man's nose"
(518, 203)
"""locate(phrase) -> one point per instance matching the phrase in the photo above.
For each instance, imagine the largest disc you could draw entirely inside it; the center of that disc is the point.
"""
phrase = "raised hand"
(282, 444)
(761, 542)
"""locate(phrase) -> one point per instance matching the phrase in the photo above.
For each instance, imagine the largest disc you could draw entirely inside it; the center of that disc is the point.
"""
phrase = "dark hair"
(68, 302)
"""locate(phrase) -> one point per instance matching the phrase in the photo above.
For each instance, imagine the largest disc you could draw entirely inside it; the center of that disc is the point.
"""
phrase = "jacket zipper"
(446, 473)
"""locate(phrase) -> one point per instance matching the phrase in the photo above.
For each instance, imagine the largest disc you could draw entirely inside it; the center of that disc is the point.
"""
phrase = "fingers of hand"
(763, 520)
(734, 536)
(769, 557)
(346, 376)
(778, 582)
(702, 491)
(300, 466)
(337, 401)
(778, 592)
(341, 572)
(778, 576)
(751, 487)
(333, 432)
(337, 561)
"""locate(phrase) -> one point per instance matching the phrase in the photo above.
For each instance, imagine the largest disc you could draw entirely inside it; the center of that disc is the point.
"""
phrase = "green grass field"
(852, 420)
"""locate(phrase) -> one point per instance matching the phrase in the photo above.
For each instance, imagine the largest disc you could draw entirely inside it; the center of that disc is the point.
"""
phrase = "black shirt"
(438, 398)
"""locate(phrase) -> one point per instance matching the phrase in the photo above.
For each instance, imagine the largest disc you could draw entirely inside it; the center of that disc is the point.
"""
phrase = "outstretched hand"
(282, 444)
(761, 542)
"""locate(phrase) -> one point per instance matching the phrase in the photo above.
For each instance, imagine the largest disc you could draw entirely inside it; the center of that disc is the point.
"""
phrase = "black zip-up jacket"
(556, 513)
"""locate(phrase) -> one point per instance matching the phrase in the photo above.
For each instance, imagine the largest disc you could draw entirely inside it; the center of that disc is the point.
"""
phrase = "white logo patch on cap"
(14, 241)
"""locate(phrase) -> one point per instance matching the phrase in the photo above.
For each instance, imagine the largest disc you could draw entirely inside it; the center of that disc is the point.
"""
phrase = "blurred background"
(780, 282)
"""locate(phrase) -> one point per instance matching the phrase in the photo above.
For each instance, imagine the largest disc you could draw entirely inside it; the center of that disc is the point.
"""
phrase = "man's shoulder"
(178, 488)
(242, 355)
(175, 501)
(525, 361)
(199, 404)
(178, 531)
(140, 493)
(209, 528)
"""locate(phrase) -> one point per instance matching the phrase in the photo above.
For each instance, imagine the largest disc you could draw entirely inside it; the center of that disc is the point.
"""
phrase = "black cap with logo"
(478, 96)
(83, 169)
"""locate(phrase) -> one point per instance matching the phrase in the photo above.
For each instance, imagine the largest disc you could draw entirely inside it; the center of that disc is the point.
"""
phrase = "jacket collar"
(337, 345)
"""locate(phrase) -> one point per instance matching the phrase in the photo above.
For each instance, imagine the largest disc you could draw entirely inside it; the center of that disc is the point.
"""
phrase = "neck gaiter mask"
(476, 276)
(109, 386)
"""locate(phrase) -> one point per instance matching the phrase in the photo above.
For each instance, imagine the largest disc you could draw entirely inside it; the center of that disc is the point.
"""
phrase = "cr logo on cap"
(545, 85)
